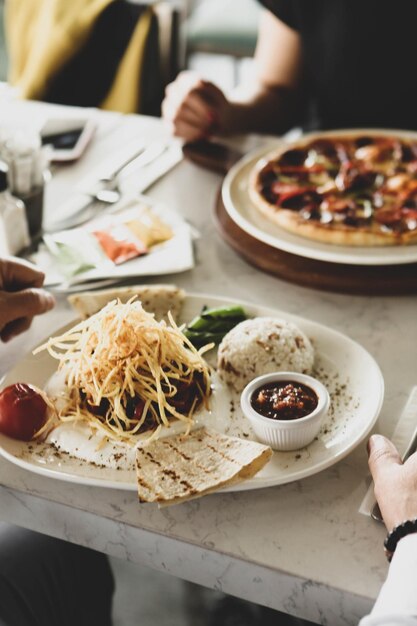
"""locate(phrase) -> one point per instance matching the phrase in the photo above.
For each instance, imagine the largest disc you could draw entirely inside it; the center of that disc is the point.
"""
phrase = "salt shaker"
(14, 232)
(28, 168)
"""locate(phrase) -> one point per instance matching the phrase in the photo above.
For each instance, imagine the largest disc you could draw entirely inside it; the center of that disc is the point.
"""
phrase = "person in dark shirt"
(44, 581)
(320, 65)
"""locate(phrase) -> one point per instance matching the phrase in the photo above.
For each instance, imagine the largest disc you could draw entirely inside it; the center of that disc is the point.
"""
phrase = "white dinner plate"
(239, 206)
(351, 375)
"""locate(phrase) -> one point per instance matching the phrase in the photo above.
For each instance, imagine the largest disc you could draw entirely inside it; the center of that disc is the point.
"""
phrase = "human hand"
(20, 296)
(195, 108)
(395, 482)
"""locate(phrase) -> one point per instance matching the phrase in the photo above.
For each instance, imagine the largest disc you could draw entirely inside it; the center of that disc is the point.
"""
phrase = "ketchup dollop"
(23, 411)
(284, 400)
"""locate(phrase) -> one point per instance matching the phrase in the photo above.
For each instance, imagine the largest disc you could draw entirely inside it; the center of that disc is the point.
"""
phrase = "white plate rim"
(256, 482)
(300, 246)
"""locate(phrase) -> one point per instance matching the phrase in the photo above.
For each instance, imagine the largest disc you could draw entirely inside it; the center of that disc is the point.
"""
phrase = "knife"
(409, 415)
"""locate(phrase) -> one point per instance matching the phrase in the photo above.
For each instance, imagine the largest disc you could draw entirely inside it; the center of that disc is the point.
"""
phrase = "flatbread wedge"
(180, 468)
(157, 299)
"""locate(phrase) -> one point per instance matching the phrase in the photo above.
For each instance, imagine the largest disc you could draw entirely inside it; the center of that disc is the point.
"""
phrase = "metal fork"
(110, 195)
(109, 182)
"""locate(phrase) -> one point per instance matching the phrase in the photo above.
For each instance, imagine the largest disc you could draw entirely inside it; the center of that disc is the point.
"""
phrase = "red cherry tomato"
(23, 411)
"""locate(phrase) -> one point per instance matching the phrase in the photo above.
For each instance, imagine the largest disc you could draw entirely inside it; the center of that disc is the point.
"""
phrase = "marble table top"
(303, 547)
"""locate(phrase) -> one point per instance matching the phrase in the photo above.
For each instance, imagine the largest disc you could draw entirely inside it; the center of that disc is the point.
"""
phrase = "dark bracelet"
(397, 533)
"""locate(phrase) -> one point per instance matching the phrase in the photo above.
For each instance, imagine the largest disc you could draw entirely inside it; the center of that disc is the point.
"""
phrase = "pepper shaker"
(14, 233)
(28, 168)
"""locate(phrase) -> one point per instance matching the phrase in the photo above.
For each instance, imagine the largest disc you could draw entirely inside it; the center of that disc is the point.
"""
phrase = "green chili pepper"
(213, 324)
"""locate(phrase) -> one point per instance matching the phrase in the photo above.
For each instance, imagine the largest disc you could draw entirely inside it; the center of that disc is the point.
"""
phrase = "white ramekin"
(286, 434)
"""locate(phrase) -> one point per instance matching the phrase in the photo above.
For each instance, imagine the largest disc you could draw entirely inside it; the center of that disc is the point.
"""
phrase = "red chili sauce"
(284, 400)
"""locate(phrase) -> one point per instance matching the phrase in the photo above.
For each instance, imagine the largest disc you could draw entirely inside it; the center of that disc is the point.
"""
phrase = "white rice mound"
(263, 345)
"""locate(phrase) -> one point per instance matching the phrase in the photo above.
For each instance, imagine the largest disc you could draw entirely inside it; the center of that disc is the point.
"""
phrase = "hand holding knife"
(412, 447)
(409, 416)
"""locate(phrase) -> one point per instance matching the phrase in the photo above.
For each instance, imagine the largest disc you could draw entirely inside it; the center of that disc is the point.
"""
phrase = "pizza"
(354, 189)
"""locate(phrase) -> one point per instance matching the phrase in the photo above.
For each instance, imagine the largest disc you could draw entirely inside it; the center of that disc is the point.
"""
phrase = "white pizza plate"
(352, 376)
(239, 206)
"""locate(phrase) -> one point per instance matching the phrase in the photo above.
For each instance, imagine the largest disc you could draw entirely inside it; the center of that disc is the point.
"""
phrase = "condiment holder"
(286, 434)
(14, 234)
(28, 172)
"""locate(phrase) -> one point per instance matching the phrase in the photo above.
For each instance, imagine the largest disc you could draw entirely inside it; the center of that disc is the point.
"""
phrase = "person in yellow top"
(44, 35)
